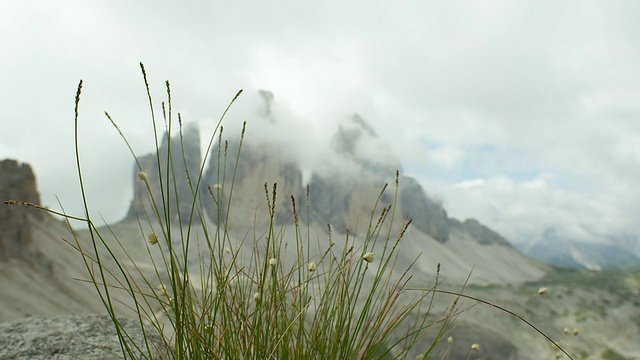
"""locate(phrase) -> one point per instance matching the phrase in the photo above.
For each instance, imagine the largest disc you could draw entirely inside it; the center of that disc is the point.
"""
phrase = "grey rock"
(17, 182)
(186, 160)
(256, 165)
(428, 216)
(480, 233)
(72, 337)
(343, 195)
(268, 98)
(358, 143)
(346, 203)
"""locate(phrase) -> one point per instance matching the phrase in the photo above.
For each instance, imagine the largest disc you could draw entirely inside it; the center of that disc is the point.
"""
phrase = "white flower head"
(273, 262)
(257, 297)
(543, 290)
(369, 257)
(312, 266)
(450, 340)
(475, 347)
(142, 175)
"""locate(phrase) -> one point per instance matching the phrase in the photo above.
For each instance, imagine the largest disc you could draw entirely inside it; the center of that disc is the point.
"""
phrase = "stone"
(257, 164)
(17, 182)
(428, 216)
(480, 233)
(186, 160)
(358, 144)
(78, 336)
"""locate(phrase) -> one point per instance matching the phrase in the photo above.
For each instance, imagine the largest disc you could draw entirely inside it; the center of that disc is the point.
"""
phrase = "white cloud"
(536, 101)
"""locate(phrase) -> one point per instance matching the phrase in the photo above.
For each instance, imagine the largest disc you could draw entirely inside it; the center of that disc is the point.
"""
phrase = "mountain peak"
(17, 182)
(357, 143)
(186, 160)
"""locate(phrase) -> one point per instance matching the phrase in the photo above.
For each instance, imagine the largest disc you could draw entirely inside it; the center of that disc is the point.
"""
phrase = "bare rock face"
(17, 182)
(186, 161)
(348, 196)
(343, 195)
(358, 144)
(257, 164)
(428, 216)
(479, 232)
(345, 203)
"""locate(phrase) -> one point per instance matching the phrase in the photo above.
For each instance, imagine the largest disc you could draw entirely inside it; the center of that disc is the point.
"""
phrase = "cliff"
(17, 182)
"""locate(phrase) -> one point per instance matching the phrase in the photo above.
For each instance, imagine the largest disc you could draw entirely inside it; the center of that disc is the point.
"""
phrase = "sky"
(522, 114)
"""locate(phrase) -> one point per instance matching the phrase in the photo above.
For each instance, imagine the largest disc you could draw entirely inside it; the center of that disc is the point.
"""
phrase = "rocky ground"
(80, 336)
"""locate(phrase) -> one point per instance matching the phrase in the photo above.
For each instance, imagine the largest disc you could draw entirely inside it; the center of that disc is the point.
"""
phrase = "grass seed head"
(475, 346)
(312, 266)
(369, 257)
(153, 238)
(543, 290)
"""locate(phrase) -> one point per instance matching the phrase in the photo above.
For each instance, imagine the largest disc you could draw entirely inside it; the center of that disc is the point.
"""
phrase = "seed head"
(257, 297)
(475, 347)
(153, 238)
(576, 332)
(142, 175)
(543, 290)
(420, 357)
(312, 266)
(369, 257)
(567, 331)
(450, 340)
(273, 262)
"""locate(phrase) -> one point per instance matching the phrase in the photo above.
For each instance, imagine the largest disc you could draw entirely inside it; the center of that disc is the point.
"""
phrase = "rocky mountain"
(162, 175)
(338, 197)
(557, 250)
(17, 181)
(37, 267)
(232, 192)
(245, 171)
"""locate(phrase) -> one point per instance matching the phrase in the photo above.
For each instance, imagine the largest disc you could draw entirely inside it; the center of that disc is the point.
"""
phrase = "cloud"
(523, 210)
(518, 111)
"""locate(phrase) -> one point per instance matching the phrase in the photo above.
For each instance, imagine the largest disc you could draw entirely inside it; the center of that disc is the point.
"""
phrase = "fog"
(524, 115)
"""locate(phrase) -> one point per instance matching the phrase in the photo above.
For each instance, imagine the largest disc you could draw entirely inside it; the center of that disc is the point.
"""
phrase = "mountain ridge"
(335, 196)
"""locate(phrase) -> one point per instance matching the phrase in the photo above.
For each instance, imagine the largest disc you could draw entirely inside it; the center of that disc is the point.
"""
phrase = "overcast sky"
(524, 115)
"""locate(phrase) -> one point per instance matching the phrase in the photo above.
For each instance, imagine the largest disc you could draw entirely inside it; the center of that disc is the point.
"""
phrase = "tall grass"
(248, 299)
